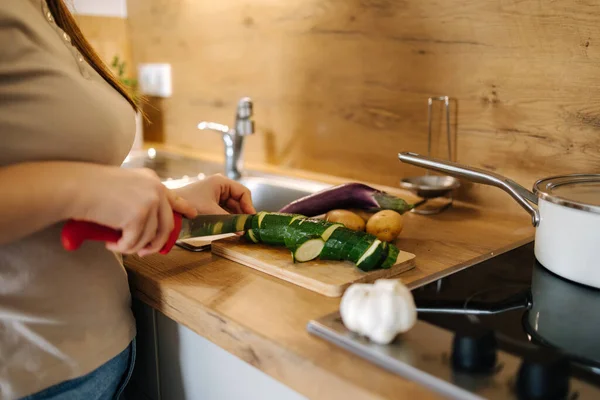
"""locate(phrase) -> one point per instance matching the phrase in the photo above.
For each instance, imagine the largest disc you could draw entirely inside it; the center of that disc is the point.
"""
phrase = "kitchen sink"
(270, 192)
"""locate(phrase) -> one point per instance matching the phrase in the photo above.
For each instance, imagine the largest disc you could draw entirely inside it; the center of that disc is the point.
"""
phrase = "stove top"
(504, 328)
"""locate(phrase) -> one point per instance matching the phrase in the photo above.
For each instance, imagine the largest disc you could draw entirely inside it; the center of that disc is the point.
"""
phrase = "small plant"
(130, 83)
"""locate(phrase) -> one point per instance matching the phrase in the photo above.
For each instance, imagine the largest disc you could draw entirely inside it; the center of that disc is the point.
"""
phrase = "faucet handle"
(213, 126)
(244, 108)
(244, 124)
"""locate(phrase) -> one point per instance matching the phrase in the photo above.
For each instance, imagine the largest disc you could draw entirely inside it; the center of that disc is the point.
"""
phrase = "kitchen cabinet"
(173, 362)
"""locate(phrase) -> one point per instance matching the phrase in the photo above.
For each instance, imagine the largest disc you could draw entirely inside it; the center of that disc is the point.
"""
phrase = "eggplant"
(348, 195)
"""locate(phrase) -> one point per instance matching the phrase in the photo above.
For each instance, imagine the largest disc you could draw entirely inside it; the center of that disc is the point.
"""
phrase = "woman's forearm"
(36, 195)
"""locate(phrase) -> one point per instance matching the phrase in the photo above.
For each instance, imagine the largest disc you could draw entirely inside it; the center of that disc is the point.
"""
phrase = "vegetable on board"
(386, 225)
(310, 238)
(348, 218)
(348, 195)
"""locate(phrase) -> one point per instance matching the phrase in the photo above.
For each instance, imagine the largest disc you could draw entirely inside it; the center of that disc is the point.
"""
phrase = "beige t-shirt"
(62, 314)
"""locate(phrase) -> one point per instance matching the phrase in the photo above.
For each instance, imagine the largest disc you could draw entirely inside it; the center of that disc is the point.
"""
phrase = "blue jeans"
(104, 383)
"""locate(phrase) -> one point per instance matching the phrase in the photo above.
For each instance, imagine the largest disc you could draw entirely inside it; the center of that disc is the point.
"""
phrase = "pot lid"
(579, 191)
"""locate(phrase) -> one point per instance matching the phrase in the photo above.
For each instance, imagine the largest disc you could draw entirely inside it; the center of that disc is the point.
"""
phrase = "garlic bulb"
(379, 311)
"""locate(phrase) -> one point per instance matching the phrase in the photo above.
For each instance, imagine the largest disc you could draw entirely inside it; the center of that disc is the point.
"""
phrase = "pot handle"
(523, 196)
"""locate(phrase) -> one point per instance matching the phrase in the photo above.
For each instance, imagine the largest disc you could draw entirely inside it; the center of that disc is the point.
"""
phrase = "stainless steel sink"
(270, 192)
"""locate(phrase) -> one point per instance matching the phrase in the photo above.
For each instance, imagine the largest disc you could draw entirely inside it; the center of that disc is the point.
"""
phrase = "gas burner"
(504, 328)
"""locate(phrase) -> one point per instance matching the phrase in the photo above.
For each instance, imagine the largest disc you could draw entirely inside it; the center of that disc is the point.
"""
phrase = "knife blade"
(75, 232)
(208, 225)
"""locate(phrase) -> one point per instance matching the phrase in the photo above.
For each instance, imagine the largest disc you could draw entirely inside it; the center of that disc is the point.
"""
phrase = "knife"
(75, 232)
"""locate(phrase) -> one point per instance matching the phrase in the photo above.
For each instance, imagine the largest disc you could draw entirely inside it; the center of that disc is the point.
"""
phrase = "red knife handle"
(74, 233)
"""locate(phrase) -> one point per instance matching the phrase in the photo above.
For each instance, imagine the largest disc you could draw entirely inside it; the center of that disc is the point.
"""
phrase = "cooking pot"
(564, 209)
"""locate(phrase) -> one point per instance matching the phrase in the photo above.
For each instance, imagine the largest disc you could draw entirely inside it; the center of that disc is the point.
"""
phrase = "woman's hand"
(218, 195)
(133, 201)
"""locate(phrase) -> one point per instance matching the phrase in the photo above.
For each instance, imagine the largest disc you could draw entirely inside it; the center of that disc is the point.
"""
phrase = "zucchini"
(273, 228)
(363, 245)
(309, 238)
(296, 234)
(261, 215)
(351, 243)
(308, 250)
(250, 236)
(335, 244)
(391, 258)
(296, 216)
(243, 223)
(256, 225)
(307, 227)
(327, 232)
(371, 258)
(384, 254)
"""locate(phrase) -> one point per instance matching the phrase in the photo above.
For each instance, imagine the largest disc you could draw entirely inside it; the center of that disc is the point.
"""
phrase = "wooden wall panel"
(109, 36)
(340, 86)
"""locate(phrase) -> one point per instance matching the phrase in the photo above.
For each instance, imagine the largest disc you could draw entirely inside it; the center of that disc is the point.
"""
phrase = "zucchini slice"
(296, 216)
(261, 215)
(309, 250)
(363, 245)
(391, 258)
(256, 225)
(372, 256)
(273, 228)
(250, 236)
(327, 232)
(302, 228)
(384, 254)
(351, 242)
(335, 244)
(243, 223)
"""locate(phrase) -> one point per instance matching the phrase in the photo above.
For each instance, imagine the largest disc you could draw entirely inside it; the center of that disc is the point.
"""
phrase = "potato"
(364, 214)
(347, 218)
(386, 225)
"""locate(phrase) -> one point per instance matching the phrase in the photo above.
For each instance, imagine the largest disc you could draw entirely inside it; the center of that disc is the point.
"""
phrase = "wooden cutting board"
(330, 278)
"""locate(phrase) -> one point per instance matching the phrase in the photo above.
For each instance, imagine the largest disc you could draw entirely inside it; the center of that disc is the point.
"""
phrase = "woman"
(66, 124)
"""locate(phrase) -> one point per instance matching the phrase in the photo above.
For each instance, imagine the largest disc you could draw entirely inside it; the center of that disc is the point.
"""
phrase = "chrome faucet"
(234, 138)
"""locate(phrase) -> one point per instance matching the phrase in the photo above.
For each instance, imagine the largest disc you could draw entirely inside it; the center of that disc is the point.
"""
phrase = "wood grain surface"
(109, 36)
(262, 319)
(329, 278)
(341, 86)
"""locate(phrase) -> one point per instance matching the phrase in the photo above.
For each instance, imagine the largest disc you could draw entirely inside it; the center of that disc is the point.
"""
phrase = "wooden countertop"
(262, 320)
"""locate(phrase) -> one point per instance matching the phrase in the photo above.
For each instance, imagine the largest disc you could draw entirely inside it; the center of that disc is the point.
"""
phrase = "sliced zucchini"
(351, 242)
(250, 236)
(309, 250)
(256, 225)
(310, 225)
(273, 228)
(327, 233)
(261, 215)
(372, 256)
(384, 254)
(296, 216)
(309, 238)
(363, 245)
(243, 223)
(302, 228)
(335, 244)
(391, 258)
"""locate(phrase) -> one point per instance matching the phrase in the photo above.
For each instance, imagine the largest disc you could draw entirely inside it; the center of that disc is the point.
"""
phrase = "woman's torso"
(61, 314)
